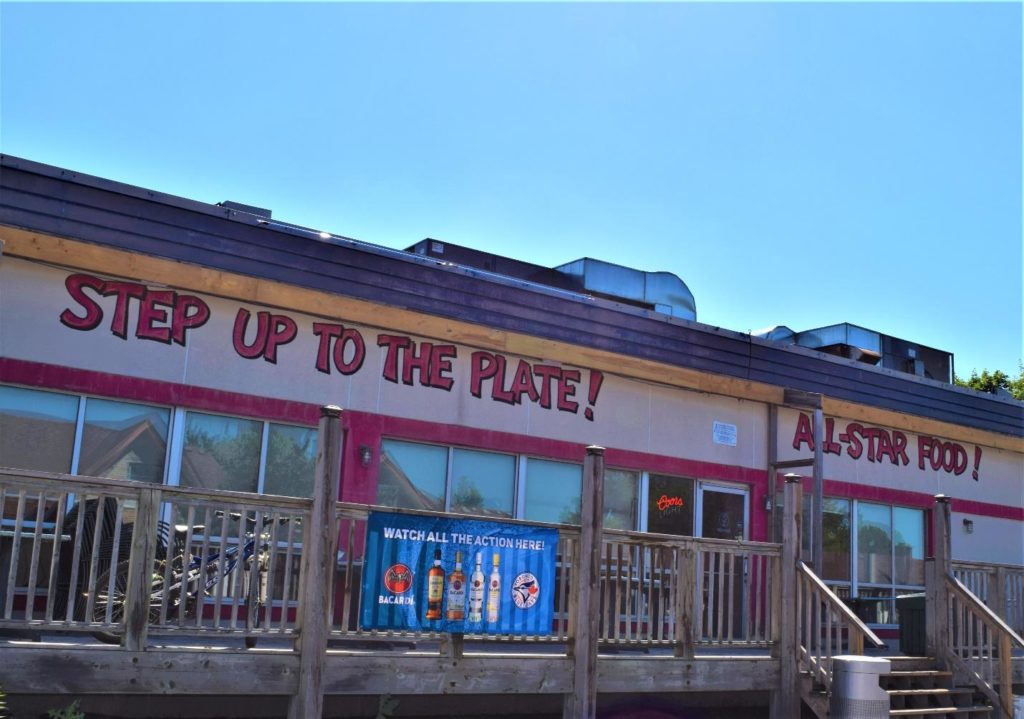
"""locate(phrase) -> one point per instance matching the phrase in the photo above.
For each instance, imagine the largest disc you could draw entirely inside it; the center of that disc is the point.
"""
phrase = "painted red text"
(349, 348)
(163, 315)
(877, 443)
(405, 357)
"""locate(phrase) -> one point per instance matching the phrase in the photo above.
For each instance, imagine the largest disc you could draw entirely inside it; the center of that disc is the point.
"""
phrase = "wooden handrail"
(990, 618)
(970, 564)
(840, 606)
(128, 487)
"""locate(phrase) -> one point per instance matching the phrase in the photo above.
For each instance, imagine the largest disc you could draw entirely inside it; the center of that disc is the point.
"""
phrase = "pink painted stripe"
(70, 379)
(905, 498)
(364, 428)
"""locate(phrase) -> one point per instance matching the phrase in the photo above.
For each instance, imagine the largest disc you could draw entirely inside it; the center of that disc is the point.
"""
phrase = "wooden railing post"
(318, 560)
(937, 567)
(786, 699)
(997, 594)
(140, 570)
(687, 584)
(582, 702)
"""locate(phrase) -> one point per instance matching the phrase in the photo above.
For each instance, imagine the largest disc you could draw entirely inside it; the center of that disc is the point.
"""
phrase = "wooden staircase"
(916, 691)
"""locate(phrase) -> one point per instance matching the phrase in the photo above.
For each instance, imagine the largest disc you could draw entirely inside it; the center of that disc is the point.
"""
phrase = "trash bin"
(911, 610)
(856, 690)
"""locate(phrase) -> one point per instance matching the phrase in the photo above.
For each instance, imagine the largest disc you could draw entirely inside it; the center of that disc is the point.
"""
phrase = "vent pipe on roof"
(660, 291)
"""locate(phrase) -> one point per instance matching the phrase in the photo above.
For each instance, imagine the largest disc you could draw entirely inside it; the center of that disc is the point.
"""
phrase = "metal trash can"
(856, 690)
(913, 637)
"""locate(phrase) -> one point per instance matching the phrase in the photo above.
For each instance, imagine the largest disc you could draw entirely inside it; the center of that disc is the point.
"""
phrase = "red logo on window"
(665, 502)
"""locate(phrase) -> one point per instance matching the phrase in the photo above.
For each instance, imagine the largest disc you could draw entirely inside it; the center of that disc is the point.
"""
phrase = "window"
(412, 475)
(908, 545)
(620, 498)
(483, 483)
(291, 461)
(417, 476)
(40, 430)
(670, 505)
(124, 441)
(221, 452)
(874, 543)
(835, 539)
(553, 491)
(37, 429)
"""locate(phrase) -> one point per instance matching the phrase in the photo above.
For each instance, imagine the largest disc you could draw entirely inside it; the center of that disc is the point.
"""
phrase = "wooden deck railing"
(826, 626)
(980, 644)
(70, 546)
(999, 586)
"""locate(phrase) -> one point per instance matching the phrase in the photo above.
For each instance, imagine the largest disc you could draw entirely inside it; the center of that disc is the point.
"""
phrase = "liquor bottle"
(494, 592)
(457, 591)
(476, 593)
(435, 587)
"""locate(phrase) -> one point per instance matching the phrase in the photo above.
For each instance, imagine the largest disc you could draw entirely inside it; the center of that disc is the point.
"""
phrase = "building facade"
(152, 338)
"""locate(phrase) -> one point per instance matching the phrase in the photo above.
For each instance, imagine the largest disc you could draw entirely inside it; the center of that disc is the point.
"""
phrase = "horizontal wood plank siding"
(52, 201)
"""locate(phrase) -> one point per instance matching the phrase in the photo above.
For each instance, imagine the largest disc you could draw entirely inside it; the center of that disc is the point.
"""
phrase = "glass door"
(722, 514)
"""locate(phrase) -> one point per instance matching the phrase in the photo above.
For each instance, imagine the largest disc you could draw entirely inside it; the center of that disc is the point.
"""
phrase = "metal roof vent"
(247, 209)
(659, 291)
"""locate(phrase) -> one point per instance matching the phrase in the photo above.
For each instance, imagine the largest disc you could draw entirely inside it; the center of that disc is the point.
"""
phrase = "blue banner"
(447, 574)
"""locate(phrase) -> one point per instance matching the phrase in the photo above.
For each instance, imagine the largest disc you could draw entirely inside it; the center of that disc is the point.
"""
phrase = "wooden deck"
(636, 614)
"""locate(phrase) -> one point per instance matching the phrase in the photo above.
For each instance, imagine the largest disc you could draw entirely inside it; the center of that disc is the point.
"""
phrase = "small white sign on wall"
(724, 433)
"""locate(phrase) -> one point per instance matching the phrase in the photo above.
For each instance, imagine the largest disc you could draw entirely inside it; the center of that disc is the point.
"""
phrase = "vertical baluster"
(349, 586)
(730, 634)
(33, 565)
(204, 567)
(12, 573)
(58, 533)
(90, 585)
(115, 558)
(222, 564)
(76, 556)
(722, 591)
(287, 589)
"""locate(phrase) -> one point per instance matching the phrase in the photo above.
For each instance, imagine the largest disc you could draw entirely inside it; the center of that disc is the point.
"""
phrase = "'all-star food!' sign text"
(878, 444)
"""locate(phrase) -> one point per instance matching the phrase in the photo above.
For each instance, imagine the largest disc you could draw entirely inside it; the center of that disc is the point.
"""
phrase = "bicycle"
(189, 581)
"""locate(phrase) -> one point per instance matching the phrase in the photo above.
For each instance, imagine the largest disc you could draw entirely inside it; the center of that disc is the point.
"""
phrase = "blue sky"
(794, 163)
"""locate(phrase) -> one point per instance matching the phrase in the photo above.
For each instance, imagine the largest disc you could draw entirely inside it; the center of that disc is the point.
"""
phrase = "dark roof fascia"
(56, 201)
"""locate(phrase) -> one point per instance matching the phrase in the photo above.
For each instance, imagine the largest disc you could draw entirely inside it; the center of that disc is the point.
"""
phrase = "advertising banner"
(447, 574)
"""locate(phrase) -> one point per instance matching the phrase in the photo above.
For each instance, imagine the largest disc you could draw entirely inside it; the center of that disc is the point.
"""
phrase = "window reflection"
(909, 545)
(620, 494)
(221, 452)
(291, 461)
(124, 441)
(412, 475)
(835, 539)
(874, 543)
(483, 483)
(37, 429)
(553, 491)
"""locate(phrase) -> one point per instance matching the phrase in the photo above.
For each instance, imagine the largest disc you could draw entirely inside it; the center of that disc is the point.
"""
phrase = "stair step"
(935, 691)
(940, 711)
(919, 673)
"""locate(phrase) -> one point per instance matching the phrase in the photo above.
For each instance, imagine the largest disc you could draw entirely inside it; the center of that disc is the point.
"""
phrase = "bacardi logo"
(398, 579)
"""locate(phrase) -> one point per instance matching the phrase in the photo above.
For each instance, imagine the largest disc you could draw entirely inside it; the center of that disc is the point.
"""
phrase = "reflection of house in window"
(396, 489)
(133, 448)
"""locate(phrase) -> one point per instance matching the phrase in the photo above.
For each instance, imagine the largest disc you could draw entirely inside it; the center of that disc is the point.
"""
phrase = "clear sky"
(798, 164)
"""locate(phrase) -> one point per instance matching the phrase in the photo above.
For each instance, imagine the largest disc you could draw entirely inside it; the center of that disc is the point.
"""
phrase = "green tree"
(992, 382)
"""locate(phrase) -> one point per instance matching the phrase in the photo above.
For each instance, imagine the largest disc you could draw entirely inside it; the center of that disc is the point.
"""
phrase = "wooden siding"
(49, 200)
